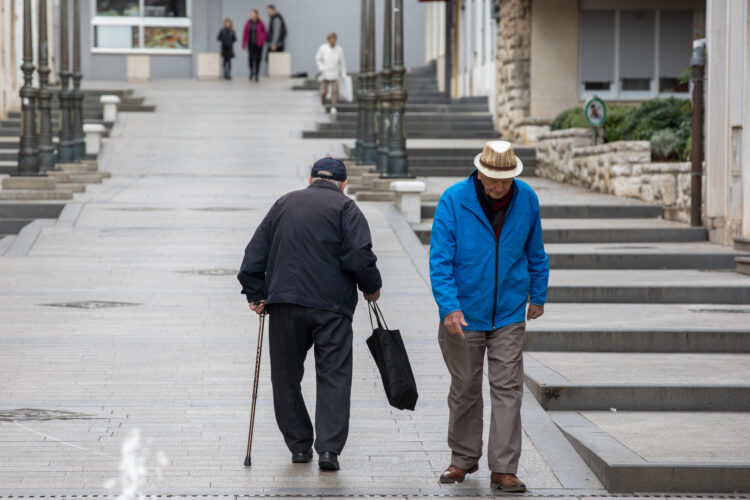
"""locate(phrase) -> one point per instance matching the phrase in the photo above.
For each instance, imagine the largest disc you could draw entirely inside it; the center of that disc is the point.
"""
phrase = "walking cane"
(248, 462)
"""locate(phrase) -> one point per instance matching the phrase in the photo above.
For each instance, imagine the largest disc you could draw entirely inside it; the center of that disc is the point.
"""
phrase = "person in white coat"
(332, 66)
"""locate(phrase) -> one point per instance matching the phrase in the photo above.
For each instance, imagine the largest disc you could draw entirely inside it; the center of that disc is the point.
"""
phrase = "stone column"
(384, 96)
(398, 165)
(370, 139)
(66, 148)
(28, 155)
(46, 147)
(360, 79)
(77, 94)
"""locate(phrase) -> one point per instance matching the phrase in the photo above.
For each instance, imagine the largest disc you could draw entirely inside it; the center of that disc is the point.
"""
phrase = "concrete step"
(600, 381)
(446, 108)
(742, 244)
(631, 340)
(743, 265)
(384, 196)
(17, 210)
(12, 226)
(661, 286)
(20, 194)
(89, 178)
(580, 211)
(604, 231)
(410, 133)
(637, 452)
(8, 167)
(73, 187)
(457, 171)
(704, 256)
(416, 119)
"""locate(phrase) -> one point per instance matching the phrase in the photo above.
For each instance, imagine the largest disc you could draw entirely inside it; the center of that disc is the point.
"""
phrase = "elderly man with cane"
(303, 266)
(487, 261)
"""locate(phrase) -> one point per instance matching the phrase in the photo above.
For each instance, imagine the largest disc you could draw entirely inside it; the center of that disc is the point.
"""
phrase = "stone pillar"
(398, 165)
(384, 95)
(93, 133)
(109, 107)
(66, 147)
(77, 95)
(513, 65)
(28, 155)
(370, 140)
(46, 147)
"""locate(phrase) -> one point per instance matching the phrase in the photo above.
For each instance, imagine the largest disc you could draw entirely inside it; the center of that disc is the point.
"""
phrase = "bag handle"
(373, 307)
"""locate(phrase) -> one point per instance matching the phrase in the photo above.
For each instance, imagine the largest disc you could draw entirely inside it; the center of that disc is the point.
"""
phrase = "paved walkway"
(163, 342)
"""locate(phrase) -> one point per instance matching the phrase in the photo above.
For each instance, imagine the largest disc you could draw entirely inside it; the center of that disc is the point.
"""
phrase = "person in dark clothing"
(303, 265)
(276, 30)
(253, 38)
(227, 38)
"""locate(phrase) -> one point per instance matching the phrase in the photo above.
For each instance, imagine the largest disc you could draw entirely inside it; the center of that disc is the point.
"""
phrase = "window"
(633, 53)
(147, 26)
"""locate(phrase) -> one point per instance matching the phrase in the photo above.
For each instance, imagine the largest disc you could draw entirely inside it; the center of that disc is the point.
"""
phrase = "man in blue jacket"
(487, 261)
(304, 264)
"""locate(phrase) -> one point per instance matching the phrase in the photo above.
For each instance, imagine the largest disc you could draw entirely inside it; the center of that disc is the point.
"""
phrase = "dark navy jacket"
(312, 249)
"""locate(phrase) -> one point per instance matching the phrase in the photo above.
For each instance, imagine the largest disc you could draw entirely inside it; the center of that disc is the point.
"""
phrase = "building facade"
(727, 125)
(173, 32)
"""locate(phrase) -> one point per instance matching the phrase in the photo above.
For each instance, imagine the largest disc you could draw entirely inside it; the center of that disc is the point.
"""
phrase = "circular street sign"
(595, 111)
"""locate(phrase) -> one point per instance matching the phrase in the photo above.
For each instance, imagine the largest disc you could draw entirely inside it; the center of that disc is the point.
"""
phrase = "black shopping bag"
(387, 348)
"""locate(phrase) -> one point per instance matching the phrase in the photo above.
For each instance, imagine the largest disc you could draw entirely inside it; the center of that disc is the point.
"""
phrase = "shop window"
(151, 26)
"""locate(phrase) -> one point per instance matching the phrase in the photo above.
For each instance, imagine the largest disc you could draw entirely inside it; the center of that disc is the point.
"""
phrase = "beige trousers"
(334, 92)
(465, 361)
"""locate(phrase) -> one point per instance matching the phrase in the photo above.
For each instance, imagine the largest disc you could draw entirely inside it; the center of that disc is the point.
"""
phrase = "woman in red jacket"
(253, 38)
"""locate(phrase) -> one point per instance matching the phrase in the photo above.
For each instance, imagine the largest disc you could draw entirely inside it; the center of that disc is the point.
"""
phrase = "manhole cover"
(731, 310)
(21, 414)
(223, 209)
(139, 209)
(212, 272)
(92, 304)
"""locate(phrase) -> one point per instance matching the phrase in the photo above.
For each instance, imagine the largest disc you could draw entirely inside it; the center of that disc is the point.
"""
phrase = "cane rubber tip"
(247, 461)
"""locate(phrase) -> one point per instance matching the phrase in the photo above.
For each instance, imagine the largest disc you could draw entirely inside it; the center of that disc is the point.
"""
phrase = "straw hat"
(498, 161)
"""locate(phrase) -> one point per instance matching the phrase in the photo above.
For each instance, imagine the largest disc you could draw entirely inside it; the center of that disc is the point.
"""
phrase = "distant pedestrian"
(332, 66)
(227, 38)
(253, 38)
(487, 261)
(276, 30)
(304, 264)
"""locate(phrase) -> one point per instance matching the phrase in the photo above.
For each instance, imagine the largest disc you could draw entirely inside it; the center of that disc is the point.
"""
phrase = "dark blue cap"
(335, 168)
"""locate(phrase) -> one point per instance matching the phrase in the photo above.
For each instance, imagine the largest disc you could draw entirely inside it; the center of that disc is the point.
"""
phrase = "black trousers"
(293, 331)
(227, 67)
(255, 55)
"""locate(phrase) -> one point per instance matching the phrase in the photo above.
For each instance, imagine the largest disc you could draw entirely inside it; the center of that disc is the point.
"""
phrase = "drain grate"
(211, 272)
(24, 414)
(92, 304)
(731, 310)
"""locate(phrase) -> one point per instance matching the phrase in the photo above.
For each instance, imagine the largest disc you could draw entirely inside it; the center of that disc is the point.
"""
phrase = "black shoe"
(302, 458)
(328, 461)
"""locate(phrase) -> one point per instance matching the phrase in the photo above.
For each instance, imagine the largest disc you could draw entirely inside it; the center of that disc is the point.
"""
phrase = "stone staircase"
(647, 327)
(430, 114)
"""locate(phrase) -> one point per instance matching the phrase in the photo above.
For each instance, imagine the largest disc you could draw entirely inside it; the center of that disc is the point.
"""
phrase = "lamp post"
(66, 149)
(360, 79)
(370, 139)
(77, 95)
(46, 148)
(384, 95)
(698, 63)
(398, 165)
(28, 155)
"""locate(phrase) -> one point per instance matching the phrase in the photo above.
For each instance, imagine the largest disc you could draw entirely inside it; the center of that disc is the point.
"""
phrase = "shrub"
(613, 125)
(570, 118)
(664, 145)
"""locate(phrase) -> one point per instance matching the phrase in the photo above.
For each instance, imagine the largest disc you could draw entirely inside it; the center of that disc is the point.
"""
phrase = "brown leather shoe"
(508, 483)
(455, 474)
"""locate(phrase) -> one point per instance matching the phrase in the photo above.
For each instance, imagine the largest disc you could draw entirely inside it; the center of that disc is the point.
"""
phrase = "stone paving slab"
(127, 311)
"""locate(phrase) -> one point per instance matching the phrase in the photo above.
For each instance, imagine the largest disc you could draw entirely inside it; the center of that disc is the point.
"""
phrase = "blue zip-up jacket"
(468, 264)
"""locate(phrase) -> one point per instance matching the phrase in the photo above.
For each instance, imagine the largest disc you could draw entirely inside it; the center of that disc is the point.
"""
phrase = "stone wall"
(622, 168)
(513, 67)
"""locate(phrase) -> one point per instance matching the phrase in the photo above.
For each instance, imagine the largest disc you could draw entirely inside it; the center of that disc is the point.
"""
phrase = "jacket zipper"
(494, 296)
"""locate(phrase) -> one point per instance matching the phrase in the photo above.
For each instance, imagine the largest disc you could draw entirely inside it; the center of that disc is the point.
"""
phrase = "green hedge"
(671, 117)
